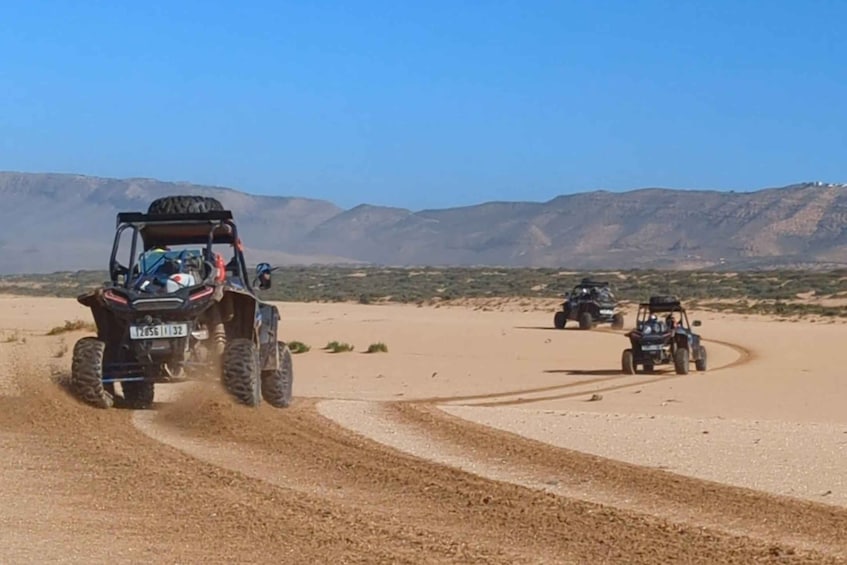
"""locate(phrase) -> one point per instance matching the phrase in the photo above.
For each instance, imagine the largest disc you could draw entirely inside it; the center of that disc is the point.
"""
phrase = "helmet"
(654, 318)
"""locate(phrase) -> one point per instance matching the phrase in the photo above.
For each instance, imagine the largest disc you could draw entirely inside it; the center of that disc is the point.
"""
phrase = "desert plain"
(482, 435)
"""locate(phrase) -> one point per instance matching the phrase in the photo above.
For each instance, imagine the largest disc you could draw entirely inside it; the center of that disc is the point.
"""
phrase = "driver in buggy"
(161, 269)
(654, 325)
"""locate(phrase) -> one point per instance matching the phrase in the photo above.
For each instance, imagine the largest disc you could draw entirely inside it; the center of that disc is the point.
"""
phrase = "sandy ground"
(481, 436)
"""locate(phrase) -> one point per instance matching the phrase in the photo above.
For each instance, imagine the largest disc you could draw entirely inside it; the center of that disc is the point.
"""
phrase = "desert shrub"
(298, 347)
(72, 326)
(378, 347)
(338, 347)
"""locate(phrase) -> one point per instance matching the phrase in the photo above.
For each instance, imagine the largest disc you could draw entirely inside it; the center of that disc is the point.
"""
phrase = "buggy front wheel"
(559, 320)
(627, 362)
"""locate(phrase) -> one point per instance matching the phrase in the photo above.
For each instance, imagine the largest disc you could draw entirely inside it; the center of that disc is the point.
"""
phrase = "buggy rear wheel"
(700, 364)
(86, 380)
(617, 321)
(277, 385)
(681, 360)
(242, 371)
(628, 362)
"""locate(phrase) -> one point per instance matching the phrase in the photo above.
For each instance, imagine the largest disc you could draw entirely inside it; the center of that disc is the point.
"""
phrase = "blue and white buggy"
(663, 335)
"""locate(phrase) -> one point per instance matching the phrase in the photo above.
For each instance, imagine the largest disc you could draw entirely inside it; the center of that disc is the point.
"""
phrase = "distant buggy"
(180, 306)
(662, 335)
(589, 303)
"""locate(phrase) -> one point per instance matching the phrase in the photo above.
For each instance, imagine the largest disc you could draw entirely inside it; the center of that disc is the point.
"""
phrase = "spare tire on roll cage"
(184, 204)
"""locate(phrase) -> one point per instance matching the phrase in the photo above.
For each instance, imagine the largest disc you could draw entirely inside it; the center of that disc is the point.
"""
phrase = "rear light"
(113, 297)
(208, 291)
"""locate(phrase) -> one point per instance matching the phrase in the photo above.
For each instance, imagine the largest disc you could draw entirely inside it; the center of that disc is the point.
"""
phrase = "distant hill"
(65, 222)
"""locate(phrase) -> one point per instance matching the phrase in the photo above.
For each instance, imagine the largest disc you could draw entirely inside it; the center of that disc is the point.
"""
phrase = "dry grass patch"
(73, 326)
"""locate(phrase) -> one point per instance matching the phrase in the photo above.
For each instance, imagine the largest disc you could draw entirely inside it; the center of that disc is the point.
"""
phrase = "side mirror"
(263, 275)
(696, 323)
(118, 272)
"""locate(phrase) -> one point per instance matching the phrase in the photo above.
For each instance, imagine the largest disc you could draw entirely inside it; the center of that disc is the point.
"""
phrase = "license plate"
(651, 347)
(158, 331)
(606, 312)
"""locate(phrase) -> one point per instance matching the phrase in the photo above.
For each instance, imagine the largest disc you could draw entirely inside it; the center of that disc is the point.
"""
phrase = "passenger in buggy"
(670, 321)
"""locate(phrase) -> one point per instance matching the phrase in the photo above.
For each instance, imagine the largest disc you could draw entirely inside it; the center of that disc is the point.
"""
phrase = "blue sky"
(428, 104)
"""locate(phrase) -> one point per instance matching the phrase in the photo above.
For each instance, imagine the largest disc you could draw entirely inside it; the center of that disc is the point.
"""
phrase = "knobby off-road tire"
(681, 359)
(700, 364)
(586, 322)
(242, 373)
(138, 395)
(277, 385)
(188, 204)
(617, 321)
(86, 380)
(559, 320)
(627, 362)
(663, 299)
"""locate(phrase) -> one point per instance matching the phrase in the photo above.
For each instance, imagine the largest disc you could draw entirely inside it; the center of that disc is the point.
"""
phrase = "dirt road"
(379, 478)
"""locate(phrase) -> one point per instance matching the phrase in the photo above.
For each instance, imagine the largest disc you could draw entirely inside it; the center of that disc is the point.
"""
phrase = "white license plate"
(651, 347)
(606, 312)
(158, 331)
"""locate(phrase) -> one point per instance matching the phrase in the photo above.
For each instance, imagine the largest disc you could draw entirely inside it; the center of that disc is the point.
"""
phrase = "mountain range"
(54, 222)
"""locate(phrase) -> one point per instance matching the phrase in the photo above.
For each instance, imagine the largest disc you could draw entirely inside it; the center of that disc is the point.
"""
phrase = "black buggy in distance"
(662, 335)
(589, 303)
(178, 311)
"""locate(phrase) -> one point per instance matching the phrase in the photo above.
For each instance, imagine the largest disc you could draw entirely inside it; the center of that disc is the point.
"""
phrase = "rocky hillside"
(61, 222)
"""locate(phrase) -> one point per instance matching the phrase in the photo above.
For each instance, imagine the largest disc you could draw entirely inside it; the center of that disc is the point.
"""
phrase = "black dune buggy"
(178, 311)
(662, 335)
(589, 303)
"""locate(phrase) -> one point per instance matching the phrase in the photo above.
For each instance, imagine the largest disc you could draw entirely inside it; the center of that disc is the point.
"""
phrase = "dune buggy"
(662, 335)
(178, 311)
(589, 303)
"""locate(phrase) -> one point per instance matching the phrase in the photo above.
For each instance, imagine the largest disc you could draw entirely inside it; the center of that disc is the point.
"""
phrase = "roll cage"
(600, 289)
(162, 230)
(646, 309)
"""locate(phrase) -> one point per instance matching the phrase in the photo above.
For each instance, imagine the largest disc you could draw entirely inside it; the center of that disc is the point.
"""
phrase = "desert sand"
(480, 436)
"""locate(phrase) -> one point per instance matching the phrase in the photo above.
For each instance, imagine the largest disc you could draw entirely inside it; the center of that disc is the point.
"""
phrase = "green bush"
(298, 347)
(378, 347)
(338, 347)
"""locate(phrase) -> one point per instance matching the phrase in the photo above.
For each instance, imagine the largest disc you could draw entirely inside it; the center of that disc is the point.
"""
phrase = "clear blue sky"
(428, 104)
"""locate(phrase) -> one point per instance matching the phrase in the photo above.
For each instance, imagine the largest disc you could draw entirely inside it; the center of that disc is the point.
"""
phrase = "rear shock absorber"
(219, 338)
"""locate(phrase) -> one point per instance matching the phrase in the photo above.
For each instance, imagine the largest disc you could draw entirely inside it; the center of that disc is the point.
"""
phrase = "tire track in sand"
(506, 398)
(501, 455)
(528, 524)
(162, 501)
